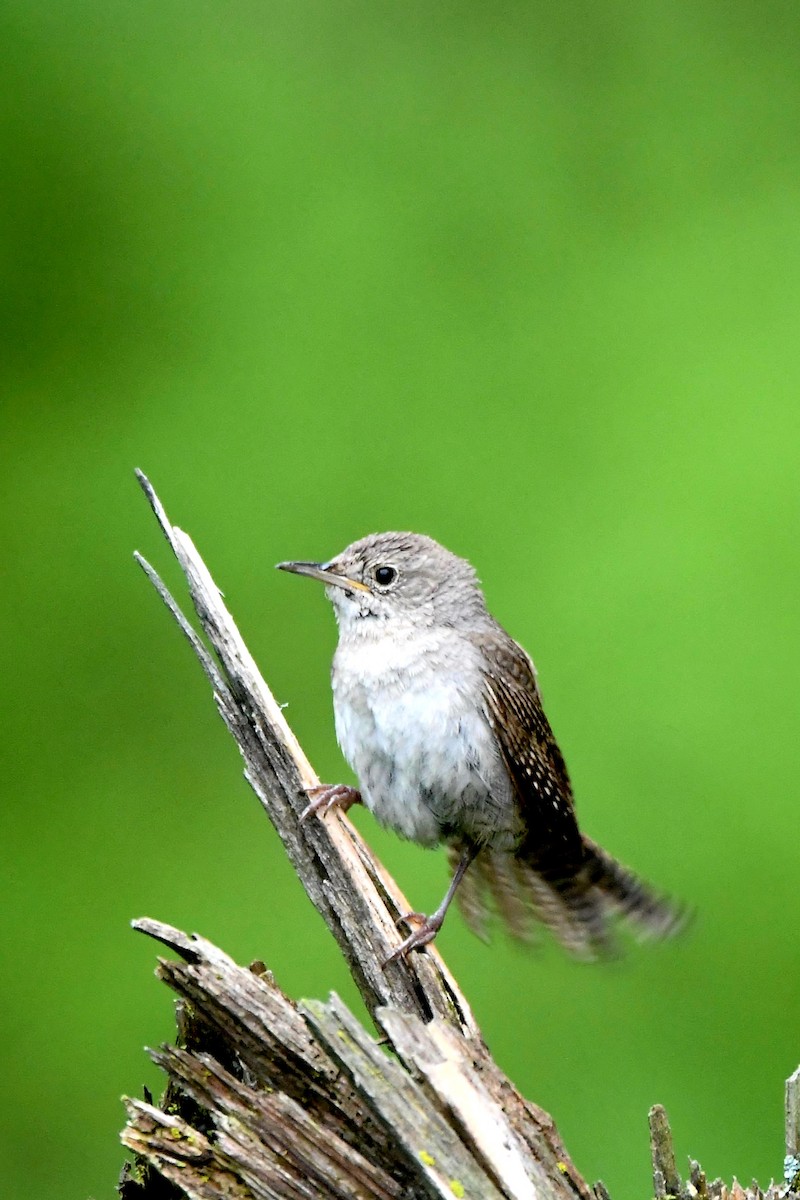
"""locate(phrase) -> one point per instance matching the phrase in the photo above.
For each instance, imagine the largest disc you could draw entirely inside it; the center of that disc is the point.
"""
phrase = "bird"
(438, 711)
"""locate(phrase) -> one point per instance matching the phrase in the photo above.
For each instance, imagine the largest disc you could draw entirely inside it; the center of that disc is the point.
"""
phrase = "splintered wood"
(269, 1100)
(440, 1113)
(668, 1185)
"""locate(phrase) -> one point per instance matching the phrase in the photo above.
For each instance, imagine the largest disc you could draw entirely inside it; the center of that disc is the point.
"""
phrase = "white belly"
(427, 762)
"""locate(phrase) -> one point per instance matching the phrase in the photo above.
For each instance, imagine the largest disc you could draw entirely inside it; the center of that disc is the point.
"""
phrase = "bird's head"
(391, 576)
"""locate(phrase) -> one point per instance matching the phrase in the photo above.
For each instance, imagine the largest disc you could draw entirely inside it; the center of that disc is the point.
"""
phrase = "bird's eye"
(385, 575)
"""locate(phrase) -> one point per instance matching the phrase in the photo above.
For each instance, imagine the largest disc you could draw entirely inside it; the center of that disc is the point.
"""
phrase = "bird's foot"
(328, 796)
(421, 937)
(411, 916)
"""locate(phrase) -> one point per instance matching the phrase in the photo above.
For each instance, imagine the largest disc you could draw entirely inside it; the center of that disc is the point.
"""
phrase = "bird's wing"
(564, 880)
(513, 706)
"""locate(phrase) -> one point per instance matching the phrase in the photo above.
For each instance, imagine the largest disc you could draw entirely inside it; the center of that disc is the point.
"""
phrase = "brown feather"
(556, 877)
(514, 709)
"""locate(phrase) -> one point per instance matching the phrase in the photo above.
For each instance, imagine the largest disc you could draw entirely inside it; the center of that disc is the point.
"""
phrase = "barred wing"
(514, 707)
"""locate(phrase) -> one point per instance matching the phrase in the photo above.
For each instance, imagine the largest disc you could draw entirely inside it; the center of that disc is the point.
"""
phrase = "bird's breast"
(410, 721)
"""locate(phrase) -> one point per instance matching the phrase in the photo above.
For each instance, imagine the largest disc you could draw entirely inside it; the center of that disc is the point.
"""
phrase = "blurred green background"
(525, 277)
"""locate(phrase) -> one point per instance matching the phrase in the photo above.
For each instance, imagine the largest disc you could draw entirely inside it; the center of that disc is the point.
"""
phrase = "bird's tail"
(580, 907)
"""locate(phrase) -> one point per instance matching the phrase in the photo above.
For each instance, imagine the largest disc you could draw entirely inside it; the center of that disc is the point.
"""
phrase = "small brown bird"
(439, 714)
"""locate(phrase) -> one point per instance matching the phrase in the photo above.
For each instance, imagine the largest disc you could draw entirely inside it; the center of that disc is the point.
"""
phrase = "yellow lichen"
(428, 1159)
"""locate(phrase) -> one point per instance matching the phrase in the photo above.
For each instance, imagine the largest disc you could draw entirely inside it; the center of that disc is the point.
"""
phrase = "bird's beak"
(325, 573)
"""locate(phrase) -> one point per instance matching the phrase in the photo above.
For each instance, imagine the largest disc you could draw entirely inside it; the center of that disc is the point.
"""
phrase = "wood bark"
(269, 1099)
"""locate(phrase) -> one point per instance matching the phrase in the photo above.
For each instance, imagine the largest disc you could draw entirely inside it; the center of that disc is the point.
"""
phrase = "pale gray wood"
(667, 1183)
(243, 1012)
(477, 1102)
(793, 1113)
(268, 1100)
(445, 1166)
(357, 898)
(180, 1155)
(666, 1180)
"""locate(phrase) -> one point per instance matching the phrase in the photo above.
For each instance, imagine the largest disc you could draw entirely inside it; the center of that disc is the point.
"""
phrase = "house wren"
(439, 714)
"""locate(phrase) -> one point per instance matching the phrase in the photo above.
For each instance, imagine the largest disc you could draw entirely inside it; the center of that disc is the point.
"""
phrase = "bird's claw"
(328, 796)
(411, 916)
(417, 940)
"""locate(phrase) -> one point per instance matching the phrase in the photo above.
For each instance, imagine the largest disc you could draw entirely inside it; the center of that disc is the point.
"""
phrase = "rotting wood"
(355, 895)
(268, 1100)
(666, 1181)
(793, 1114)
(668, 1185)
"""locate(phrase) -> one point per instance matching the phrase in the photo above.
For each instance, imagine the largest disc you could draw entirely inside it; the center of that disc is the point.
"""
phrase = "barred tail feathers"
(579, 909)
(652, 914)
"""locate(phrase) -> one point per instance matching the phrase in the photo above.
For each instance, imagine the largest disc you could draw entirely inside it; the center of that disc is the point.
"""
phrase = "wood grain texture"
(270, 1100)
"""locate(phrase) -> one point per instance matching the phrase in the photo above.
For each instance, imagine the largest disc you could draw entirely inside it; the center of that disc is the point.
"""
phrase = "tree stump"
(270, 1100)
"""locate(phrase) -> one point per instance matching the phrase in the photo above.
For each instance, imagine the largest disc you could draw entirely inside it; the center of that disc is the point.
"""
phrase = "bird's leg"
(328, 796)
(431, 925)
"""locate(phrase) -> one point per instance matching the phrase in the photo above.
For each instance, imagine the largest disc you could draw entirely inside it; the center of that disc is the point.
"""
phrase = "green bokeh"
(525, 277)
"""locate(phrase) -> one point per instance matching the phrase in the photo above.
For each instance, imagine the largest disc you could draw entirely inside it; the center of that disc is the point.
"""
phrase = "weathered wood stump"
(270, 1100)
